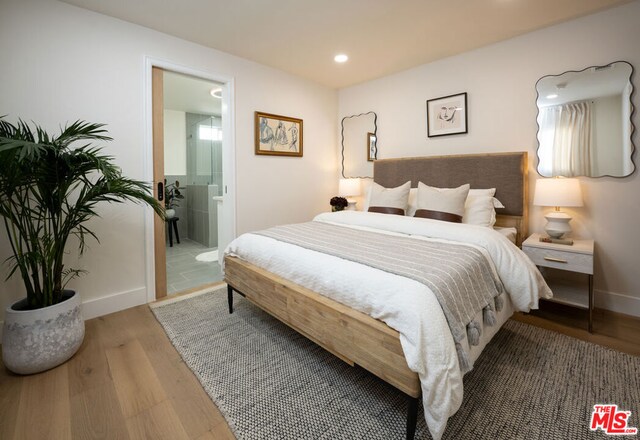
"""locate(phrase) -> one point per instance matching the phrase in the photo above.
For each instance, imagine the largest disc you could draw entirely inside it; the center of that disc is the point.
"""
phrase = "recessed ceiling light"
(340, 58)
(552, 96)
(216, 93)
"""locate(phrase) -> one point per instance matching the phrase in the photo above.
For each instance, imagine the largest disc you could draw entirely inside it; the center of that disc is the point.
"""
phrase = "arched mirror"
(584, 122)
(359, 144)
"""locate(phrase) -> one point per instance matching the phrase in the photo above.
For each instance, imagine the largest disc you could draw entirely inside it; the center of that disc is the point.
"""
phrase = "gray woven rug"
(272, 383)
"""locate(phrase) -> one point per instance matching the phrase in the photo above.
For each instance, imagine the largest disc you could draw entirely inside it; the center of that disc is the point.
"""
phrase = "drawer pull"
(555, 260)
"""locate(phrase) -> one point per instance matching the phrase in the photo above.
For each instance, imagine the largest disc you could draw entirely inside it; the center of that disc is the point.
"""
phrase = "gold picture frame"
(277, 135)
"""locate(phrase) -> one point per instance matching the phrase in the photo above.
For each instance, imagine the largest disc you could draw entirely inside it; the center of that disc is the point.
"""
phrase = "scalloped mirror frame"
(364, 137)
(561, 85)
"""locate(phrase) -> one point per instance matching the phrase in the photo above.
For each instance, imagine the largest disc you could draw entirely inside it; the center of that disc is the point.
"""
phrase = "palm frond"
(49, 191)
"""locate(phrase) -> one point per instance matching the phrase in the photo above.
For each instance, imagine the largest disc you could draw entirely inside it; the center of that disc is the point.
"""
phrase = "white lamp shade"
(557, 192)
(349, 187)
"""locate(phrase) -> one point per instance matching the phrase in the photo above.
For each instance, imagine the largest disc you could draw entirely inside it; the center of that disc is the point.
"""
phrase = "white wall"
(64, 63)
(175, 143)
(500, 82)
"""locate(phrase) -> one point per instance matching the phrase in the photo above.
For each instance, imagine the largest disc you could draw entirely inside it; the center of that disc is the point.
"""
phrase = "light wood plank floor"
(128, 382)
(610, 329)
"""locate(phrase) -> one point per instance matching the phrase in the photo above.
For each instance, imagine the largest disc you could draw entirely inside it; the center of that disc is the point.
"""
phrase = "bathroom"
(193, 188)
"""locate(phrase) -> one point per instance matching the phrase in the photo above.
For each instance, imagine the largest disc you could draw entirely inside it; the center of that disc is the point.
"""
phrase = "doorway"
(192, 148)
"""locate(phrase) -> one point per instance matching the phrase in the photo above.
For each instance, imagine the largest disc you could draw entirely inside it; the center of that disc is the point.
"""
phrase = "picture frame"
(447, 115)
(277, 135)
(372, 147)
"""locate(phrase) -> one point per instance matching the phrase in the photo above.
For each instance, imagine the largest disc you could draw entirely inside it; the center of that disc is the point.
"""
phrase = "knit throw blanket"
(459, 275)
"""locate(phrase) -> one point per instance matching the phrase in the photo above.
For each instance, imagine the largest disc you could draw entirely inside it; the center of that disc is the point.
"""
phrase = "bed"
(277, 278)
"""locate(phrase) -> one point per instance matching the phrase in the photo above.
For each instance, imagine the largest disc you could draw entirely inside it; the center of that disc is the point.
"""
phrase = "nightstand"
(577, 258)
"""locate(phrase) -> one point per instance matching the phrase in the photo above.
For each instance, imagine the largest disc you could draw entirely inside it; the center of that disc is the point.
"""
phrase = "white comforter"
(403, 304)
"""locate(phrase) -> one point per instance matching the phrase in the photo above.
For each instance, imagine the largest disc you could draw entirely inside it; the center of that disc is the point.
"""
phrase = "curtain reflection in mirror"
(566, 140)
(584, 122)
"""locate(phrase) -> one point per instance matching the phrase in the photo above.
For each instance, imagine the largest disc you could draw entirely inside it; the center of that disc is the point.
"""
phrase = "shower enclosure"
(204, 177)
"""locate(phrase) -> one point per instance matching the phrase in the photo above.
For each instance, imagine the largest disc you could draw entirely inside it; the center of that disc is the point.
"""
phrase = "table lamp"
(349, 188)
(558, 192)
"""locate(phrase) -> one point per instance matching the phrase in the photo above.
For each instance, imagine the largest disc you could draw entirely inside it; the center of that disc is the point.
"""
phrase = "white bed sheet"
(404, 304)
(510, 233)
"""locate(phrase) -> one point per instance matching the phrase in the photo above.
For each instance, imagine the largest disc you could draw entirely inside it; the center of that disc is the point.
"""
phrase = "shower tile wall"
(204, 175)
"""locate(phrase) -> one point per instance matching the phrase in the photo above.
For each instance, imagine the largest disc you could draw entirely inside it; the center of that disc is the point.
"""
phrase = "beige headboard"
(507, 172)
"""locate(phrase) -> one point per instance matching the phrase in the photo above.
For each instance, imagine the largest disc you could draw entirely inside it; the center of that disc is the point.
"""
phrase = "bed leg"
(412, 417)
(230, 297)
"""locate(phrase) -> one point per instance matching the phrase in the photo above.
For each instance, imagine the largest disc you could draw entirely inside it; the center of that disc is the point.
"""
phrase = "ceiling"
(380, 37)
(591, 83)
(190, 95)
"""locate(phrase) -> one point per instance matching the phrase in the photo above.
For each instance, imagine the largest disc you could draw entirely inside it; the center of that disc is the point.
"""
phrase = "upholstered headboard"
(507, 172)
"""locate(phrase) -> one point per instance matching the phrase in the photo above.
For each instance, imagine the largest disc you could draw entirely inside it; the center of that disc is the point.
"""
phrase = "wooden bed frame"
(355, 337)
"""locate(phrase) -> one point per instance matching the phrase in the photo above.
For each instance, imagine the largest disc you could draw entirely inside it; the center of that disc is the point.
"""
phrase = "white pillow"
(381, 198)
(487, 192)
(482, 192)
(479, 210)
(413, 202)
(442, 203)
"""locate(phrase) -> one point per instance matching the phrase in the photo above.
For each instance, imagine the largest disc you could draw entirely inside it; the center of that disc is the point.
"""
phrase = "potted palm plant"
(48, 193)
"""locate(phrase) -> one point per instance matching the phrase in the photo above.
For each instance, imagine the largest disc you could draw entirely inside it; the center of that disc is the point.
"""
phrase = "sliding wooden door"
(158, 180)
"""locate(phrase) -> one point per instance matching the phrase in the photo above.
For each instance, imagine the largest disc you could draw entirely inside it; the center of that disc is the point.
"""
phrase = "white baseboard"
(113, 303)
(617, 302)
(108, 304)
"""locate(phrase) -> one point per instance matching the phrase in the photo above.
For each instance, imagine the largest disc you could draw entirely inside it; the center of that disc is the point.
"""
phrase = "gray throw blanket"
(459, 275)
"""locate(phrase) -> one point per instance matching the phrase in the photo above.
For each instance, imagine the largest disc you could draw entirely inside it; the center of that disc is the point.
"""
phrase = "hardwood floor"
(610, 329)
(128, 382)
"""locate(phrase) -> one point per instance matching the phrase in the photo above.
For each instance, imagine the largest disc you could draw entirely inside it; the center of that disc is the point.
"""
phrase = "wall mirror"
(584, 122)
(359, 144)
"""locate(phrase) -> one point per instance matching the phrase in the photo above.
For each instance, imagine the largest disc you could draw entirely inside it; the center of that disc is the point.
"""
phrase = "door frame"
(228, 154)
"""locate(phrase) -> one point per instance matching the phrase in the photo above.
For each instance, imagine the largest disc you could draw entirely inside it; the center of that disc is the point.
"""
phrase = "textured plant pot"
(169, 213)
(37, 340)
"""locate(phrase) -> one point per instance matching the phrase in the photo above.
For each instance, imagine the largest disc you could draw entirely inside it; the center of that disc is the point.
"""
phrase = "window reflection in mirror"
(584, 122)
(359, 144)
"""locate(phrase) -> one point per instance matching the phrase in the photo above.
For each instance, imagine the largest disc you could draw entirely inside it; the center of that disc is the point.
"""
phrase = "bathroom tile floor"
(184, 271)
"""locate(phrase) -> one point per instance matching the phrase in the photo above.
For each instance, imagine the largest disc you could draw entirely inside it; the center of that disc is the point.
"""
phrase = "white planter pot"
(170, 213)
(37, 340)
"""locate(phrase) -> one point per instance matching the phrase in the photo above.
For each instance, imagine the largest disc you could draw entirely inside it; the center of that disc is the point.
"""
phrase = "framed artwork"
(277, 135)
(447, 115)
(372, 148)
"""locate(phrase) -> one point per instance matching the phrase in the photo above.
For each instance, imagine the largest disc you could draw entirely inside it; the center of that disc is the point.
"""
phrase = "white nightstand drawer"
(572, 261)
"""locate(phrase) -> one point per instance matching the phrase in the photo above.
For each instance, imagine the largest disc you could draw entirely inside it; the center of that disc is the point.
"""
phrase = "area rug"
(272, 383)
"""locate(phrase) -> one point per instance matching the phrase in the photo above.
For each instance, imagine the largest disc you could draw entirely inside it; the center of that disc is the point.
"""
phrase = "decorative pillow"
(487, 192)
(441, 203)
(479, 210)
(413, 202)
(389, 200)
(482, 192)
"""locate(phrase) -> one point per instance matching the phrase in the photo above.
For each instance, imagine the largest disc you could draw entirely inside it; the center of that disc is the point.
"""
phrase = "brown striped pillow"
(389, 200)
(446, 204)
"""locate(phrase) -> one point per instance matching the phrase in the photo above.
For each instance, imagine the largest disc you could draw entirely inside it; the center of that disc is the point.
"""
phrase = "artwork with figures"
(447, 115)
(278, 135)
